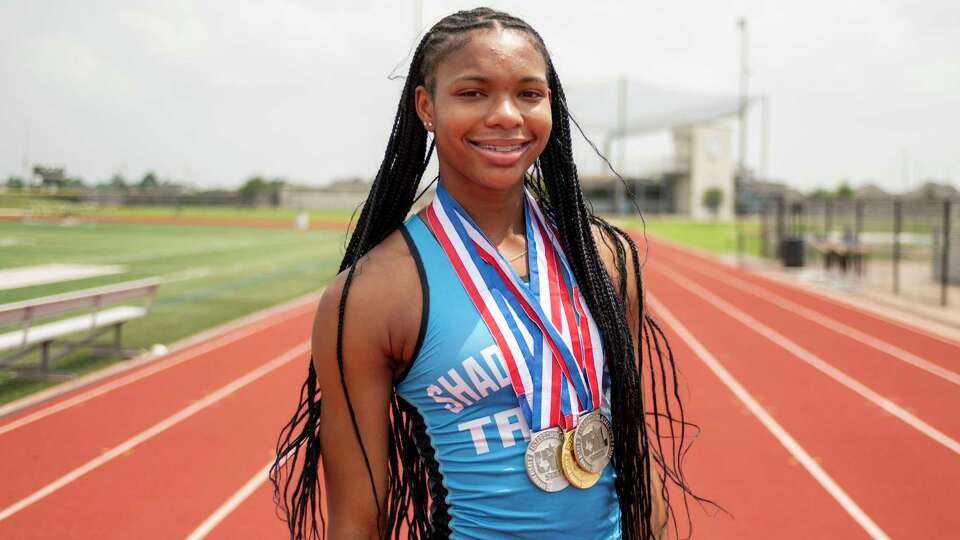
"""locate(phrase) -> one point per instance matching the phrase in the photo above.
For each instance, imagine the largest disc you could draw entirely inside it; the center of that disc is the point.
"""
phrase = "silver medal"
(542, 460)
(593, 441)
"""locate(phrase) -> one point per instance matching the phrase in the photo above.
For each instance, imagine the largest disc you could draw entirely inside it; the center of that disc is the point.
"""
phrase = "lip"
(501, 159)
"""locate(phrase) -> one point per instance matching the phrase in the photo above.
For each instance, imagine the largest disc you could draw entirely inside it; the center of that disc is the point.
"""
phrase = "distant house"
(353, 185)
(872, 192)
(933, 191)
(54, 177)
(755, 195)
(342, 194)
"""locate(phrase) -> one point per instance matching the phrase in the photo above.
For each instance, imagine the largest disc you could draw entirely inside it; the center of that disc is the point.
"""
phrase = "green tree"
(254, 188)
(259, 190)
(712, 199)
(149, 181)
(844, 191)
(117, 181)
(74, 182)
(15, 182)
(820, 194)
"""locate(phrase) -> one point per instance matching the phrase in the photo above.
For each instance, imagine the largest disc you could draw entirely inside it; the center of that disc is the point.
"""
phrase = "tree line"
(255, 189)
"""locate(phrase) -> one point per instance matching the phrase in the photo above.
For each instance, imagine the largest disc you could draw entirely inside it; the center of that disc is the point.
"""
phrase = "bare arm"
(367, 370)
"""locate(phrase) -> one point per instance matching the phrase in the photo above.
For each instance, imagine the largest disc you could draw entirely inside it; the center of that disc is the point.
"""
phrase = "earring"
(428, 125)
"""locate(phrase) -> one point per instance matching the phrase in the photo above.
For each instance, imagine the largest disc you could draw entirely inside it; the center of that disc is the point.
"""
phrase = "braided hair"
(554, 183)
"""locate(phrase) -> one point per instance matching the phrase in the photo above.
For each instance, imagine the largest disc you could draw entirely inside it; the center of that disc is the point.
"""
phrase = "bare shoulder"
(383, 306)
(355, 376)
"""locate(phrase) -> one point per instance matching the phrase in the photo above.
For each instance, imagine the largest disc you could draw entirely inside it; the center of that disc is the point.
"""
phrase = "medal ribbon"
(553, 367)
(592, 359)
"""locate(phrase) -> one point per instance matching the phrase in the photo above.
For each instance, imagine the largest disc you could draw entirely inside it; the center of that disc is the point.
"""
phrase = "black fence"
(909, 247)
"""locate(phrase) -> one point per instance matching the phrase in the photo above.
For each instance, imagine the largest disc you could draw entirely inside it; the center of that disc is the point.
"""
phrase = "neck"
(498, 213)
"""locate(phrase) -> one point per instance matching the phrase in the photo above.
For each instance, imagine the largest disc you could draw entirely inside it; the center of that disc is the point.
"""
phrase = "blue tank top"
(474, 428)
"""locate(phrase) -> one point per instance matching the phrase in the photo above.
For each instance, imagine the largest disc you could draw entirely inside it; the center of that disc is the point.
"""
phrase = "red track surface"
(174, 479)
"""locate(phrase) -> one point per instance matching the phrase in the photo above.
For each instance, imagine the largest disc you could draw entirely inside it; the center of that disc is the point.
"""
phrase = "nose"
(504, 114)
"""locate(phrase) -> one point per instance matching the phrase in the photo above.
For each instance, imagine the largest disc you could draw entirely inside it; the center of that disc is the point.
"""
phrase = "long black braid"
(555, 185)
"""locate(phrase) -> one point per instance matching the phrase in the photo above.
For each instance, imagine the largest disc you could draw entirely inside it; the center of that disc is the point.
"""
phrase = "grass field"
(717, 237)
(218, 274)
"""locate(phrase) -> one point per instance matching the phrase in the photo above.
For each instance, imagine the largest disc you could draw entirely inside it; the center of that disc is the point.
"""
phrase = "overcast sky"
(212, 92)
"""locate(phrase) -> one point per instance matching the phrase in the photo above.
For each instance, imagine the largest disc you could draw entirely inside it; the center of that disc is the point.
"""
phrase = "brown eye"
(471, 93)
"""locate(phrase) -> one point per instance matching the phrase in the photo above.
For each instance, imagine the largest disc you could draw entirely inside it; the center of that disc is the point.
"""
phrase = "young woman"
(482, 364)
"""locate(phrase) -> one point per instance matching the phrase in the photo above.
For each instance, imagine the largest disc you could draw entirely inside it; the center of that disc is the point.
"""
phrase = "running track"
(819, 421)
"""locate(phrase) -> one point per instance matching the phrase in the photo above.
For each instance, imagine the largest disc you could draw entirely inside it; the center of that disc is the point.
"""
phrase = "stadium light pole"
(742, 158)
(765, 135)
(25, 159)
(417, 17)
(619, 203)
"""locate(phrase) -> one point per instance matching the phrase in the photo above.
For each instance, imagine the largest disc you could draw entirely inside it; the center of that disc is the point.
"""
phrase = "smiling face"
(489, 109)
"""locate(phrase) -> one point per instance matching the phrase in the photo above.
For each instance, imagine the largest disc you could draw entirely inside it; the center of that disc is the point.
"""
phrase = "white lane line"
(156, 429)
(783, 281)
(828, 322)
(231, 504)
(173, 360)
(818, 363)
(788, 442)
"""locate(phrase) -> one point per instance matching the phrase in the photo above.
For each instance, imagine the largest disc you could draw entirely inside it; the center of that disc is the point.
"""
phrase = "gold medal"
(577, 476)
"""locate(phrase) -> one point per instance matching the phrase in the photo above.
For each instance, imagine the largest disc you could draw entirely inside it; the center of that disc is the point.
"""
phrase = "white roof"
(649, 107)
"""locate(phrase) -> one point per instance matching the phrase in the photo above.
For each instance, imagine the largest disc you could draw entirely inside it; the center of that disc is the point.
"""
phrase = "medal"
(542, 460)
(593, 441)
(577, 476)
(549, 342)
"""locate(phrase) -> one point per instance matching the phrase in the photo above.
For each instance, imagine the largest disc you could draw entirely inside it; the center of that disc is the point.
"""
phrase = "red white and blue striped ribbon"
(589, 334)
(547, 337)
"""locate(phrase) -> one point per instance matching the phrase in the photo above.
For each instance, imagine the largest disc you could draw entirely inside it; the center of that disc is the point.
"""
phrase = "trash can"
(791, 249)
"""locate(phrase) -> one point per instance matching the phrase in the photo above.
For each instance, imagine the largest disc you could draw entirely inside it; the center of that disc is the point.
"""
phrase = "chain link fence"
(907, 247)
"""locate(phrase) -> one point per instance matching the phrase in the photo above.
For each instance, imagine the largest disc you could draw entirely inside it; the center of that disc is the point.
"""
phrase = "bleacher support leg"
(116, 339)
(945, 261)
(45, 358)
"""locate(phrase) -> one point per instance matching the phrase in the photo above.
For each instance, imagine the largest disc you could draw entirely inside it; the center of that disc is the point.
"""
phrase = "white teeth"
(495, 148)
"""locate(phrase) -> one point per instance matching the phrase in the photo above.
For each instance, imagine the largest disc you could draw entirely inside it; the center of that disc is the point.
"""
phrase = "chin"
(500, 178)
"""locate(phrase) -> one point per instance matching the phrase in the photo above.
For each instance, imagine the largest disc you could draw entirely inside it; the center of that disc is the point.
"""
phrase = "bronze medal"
(577, 476)
(542, 460)
(593, 442)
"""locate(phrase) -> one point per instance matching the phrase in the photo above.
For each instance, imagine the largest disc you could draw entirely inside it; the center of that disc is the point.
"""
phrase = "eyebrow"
(482, 79)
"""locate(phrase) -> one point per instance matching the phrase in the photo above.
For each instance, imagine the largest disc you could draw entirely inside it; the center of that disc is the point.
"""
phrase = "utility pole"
(25, 159)
(742, 158)
(417, 17)
(765, 135)
(904, 170)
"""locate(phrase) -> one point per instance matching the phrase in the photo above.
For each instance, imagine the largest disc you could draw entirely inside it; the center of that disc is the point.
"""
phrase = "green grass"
(227, 272)
(717, 237)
